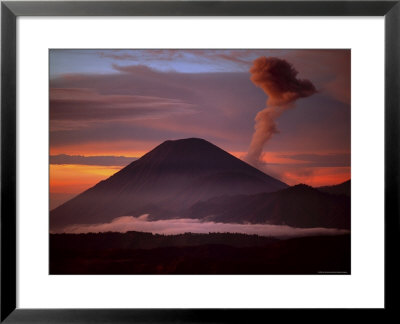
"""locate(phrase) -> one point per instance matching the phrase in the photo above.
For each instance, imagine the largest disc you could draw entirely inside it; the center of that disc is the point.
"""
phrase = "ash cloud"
(179, 226)
(278, 79)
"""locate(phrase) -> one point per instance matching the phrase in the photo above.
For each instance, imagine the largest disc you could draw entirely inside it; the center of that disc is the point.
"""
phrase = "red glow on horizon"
(318, 177)
(74, 179)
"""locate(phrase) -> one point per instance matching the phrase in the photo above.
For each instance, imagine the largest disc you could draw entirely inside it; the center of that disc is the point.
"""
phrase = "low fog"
(178, 226)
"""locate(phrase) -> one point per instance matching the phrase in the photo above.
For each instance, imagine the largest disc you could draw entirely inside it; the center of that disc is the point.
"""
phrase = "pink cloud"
(178, 226)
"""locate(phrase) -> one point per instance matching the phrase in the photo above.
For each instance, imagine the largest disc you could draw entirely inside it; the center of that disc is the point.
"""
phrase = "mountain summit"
(163, 183)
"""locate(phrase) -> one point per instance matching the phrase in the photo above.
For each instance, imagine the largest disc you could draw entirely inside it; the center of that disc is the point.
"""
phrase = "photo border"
(10, 10)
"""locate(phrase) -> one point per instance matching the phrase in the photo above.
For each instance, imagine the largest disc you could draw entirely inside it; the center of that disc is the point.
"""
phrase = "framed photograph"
(195, 161)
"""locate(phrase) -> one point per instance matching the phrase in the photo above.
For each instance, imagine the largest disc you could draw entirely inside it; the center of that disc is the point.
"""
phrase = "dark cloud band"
(91, 160)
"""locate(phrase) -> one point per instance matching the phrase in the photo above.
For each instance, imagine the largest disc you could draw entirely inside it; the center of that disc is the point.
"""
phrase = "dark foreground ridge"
(214, 253)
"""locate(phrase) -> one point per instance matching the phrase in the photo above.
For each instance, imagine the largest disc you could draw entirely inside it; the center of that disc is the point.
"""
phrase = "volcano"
(164, 183)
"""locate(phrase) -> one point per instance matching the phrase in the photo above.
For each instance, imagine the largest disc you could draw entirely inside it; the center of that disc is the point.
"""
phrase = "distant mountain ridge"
(165, 182)
(297, 206)
(340, 189)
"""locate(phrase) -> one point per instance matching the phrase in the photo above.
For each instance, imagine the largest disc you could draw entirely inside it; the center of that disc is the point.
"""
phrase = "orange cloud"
(294, 171)
(77, 178)
(315, 177)
(271, 158)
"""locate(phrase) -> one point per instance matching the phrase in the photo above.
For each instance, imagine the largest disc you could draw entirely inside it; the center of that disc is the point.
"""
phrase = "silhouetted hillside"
(297, 206)
(143, 240)
(229, 254)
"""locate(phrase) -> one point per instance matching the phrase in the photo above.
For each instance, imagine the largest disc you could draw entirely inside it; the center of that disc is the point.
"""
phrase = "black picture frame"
(10, 10)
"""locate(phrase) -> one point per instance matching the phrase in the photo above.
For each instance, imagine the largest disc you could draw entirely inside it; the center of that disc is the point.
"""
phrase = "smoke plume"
(279, 81)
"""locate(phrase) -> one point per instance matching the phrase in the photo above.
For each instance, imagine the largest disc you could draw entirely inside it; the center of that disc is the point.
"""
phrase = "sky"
(110, 107)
